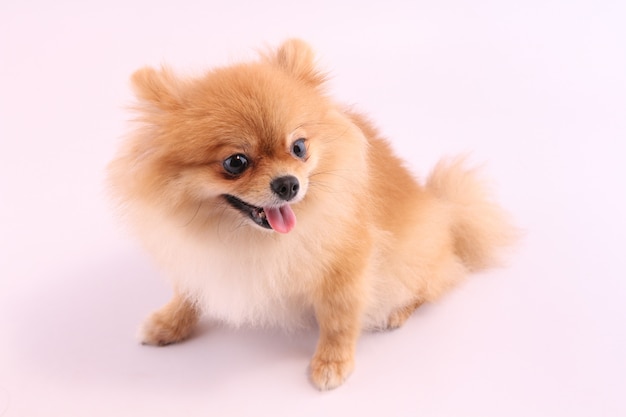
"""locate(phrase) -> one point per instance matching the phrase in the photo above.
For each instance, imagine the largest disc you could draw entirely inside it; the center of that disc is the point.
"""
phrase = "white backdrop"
(536, 89)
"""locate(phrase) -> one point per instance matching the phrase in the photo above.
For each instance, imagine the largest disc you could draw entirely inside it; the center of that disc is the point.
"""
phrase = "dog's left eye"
(235, 164)
(299, 148)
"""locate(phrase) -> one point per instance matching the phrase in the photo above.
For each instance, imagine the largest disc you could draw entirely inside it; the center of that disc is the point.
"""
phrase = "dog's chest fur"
(235, 276)
(259, 278)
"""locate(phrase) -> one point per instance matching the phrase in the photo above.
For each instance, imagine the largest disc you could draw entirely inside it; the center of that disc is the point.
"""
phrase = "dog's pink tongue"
(282, 219)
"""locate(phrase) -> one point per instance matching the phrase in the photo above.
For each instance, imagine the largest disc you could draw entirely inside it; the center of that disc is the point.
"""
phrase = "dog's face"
(246, 140)
(261, 149)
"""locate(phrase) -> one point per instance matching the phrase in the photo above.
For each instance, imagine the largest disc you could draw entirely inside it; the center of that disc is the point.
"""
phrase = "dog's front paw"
(327, 374)
(399, 316)
(158, 331)
(171, 324)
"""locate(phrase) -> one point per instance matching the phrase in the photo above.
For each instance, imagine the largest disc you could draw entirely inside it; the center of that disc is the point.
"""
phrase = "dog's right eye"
(235, 164)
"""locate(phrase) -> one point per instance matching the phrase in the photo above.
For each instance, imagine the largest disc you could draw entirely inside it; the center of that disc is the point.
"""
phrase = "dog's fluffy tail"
(481, 228)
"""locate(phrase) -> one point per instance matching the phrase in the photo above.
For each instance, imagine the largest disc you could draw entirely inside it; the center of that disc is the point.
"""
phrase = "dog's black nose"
(285, 187)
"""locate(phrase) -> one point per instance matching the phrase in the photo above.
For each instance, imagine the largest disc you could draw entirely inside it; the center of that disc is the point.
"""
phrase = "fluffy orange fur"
(370, 244)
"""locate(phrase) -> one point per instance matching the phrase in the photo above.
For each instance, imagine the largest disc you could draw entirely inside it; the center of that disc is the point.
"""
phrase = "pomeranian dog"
(267, 203)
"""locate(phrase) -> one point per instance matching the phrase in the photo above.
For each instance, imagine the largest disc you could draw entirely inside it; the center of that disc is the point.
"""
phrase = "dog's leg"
(399, 316)
(338, 314)
(172, 323)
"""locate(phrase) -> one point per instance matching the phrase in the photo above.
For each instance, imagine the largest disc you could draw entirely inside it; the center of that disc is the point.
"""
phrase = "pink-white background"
(537, 89)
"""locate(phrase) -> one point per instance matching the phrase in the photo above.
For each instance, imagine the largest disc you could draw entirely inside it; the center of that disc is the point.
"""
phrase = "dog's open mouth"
(281, 218)
(257, 214)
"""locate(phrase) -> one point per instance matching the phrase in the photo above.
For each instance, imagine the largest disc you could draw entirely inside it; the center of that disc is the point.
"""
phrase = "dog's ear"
(296, 57)
(158, 88)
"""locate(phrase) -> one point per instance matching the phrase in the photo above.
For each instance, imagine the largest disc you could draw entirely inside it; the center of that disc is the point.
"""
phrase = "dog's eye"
(299, 148)
(235, 164)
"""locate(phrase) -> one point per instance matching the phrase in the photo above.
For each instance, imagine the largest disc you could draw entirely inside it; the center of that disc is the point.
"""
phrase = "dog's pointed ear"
(296, 57)
(158, 88)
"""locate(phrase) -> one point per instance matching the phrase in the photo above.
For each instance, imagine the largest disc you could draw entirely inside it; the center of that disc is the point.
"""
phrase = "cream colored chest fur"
(260, 279)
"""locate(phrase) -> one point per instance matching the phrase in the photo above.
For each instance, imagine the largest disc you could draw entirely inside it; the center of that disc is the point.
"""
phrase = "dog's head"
(245, 140)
